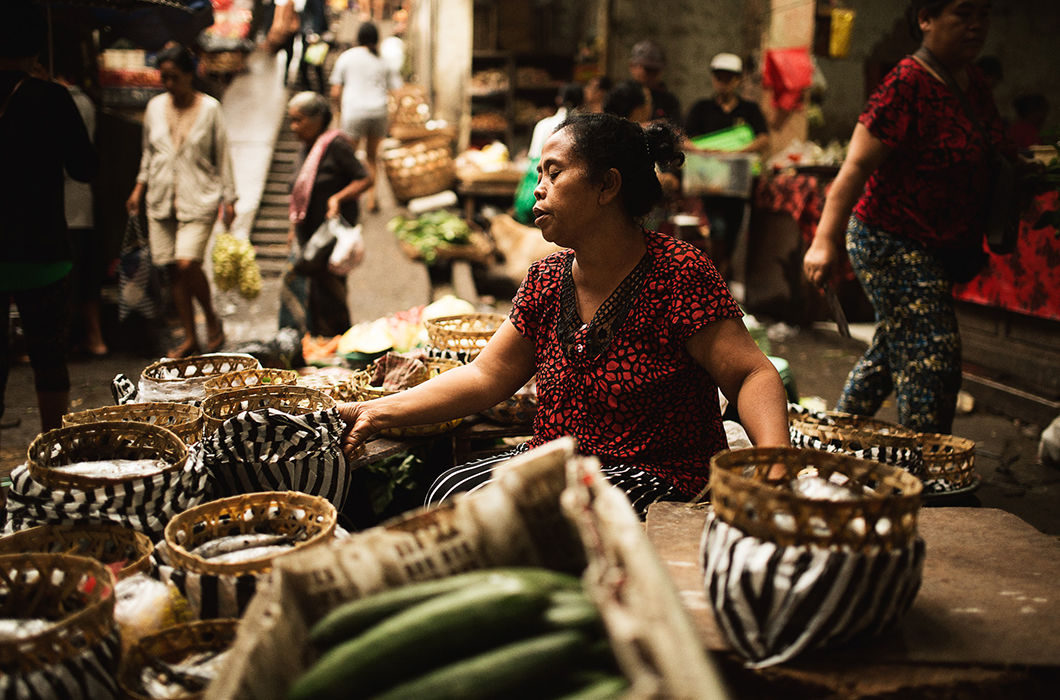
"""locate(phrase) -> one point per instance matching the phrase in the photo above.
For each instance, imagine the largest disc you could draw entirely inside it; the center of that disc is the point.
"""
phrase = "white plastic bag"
(349, 247)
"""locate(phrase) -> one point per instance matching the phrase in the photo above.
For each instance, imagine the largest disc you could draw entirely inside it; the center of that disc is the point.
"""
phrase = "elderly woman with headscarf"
(326, 186)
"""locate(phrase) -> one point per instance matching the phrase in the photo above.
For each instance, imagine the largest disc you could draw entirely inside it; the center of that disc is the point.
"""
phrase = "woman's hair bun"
(664, 144)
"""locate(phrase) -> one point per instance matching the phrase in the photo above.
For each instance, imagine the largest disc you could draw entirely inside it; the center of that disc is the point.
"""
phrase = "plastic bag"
(144, 605)
(349, 247)
(524, 194)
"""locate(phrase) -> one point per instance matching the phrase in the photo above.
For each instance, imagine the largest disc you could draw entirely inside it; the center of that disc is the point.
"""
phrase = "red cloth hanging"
(787, 73)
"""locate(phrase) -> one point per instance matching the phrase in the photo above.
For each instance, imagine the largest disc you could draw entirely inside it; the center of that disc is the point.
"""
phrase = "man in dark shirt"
(646, 63)
(725, 109)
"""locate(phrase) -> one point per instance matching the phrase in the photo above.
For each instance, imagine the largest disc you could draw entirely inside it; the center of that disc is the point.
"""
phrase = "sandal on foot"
(215, 343)
(186, 349)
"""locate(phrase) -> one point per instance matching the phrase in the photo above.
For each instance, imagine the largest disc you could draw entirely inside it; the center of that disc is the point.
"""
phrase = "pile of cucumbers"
(525, 632)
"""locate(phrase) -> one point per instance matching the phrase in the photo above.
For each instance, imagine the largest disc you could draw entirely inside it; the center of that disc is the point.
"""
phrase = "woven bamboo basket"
(420, 168)
(183, 419)
(519, 409)
(108, 544)
(949, 462)
(478, 249)
(247, 378)
(408, 106)
(464, 333)
(171, 646)
(100, 441)
(886, 516)
(295, 400)
(855, 432)
(267, 512)
(173, 380)
(76, 593)
(435, 366)
(339, 387)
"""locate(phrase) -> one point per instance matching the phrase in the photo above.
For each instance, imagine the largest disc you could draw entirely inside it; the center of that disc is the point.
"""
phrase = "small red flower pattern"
(933, 186)
(643, 402)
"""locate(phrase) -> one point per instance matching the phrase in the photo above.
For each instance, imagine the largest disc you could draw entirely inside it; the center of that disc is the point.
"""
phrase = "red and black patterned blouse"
(933, 186)
(624, 385)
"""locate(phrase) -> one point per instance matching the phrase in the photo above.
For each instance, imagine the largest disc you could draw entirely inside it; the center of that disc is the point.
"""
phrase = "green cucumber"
(353, 617)
(522, 666)
(606, 686)
(571, 609)
(434, 632)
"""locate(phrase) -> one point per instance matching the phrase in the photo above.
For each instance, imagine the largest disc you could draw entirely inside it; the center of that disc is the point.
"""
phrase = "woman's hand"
(821, 260)
(132, 205)
(334, 202)
(228, 214)
(359, 427)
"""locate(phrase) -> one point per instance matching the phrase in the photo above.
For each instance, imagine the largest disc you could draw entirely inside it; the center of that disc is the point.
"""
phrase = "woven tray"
(76, 592)
(172, 645)
(949, 462)
(420, 168)
(170, 380)
(886, 516)
(522, 519)
(266, 512)
(435, 366)
(183, 419)
(478, 249)
(295, 400)
(107, 544)
(464, 333)
(100, 441)
(247, 378)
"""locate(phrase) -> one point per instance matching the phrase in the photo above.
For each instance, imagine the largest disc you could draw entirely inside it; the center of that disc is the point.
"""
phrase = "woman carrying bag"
(325, 189)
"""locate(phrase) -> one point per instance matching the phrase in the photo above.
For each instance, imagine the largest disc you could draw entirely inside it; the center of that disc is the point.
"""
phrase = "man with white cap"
(646, 63)
(725, 109)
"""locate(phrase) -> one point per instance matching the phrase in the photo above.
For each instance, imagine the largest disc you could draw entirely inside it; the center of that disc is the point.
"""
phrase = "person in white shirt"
(569, 98)
(186, 171)
(361, 81)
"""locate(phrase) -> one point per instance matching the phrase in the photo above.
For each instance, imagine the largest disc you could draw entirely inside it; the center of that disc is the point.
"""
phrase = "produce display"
(427, 232)
(482, 634)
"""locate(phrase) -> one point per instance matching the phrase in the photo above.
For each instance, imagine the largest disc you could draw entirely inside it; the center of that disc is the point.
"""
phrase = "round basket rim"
(222, 626)
(50, 477)
(182, 558)
(139, 540)
(97, 611)
(726, 477)
(146, 373)
(187, 423)
(285, 377)
(441, 322)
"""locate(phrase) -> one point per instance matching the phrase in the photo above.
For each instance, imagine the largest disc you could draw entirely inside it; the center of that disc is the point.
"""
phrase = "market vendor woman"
(629, 332)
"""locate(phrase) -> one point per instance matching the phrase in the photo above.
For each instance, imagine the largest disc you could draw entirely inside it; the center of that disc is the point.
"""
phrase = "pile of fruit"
(235, 266)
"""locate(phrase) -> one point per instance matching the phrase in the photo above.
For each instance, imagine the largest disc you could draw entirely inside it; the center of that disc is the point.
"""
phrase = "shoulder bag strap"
(7, 100)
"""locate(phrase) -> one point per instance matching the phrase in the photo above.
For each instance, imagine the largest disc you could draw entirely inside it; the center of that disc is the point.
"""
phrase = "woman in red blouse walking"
(629, 332)
(917, 171)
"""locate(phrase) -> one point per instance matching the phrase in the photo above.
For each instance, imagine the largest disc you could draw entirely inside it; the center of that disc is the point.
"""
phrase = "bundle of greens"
(430, 231)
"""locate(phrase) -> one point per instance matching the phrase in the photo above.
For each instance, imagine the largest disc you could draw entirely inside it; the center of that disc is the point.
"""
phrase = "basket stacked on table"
(66, 643)
(223, 589)
(184, 380)
(183, 419)
(249, 378)
(833, 536)
(435, 366)
(290, 399)
(419, 168)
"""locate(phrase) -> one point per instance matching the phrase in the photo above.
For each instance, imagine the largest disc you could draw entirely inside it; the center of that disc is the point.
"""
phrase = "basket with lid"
(121, 549)
(183, 419)
(104, 454)
(184, 380)
(294, 400)
(817, 529)
(63, 642)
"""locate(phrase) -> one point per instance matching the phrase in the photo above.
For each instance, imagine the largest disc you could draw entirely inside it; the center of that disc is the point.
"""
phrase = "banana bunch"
(235, 267)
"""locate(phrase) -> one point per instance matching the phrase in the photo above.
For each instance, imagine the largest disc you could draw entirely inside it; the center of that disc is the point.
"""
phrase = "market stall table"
(987, 611)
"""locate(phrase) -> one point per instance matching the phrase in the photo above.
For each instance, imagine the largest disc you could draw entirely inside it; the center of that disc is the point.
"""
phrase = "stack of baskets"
(814, 529)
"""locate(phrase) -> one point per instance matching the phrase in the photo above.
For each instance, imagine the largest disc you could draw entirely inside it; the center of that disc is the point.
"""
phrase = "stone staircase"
(269, 233)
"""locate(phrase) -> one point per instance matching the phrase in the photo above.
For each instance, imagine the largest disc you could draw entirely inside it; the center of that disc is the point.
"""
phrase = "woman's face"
(566, 200)
(174, 80)
(958, 32)
(305, 128)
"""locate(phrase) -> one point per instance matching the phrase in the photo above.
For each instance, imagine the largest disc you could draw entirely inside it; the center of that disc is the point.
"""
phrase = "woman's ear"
(610, 186)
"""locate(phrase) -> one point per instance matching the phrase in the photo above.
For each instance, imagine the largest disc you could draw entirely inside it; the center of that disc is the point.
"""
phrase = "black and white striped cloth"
(269, 450)
(143, 504)
(775, 602)
(91, 675)
(209, 596)
(641, 488)
(911, 459)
